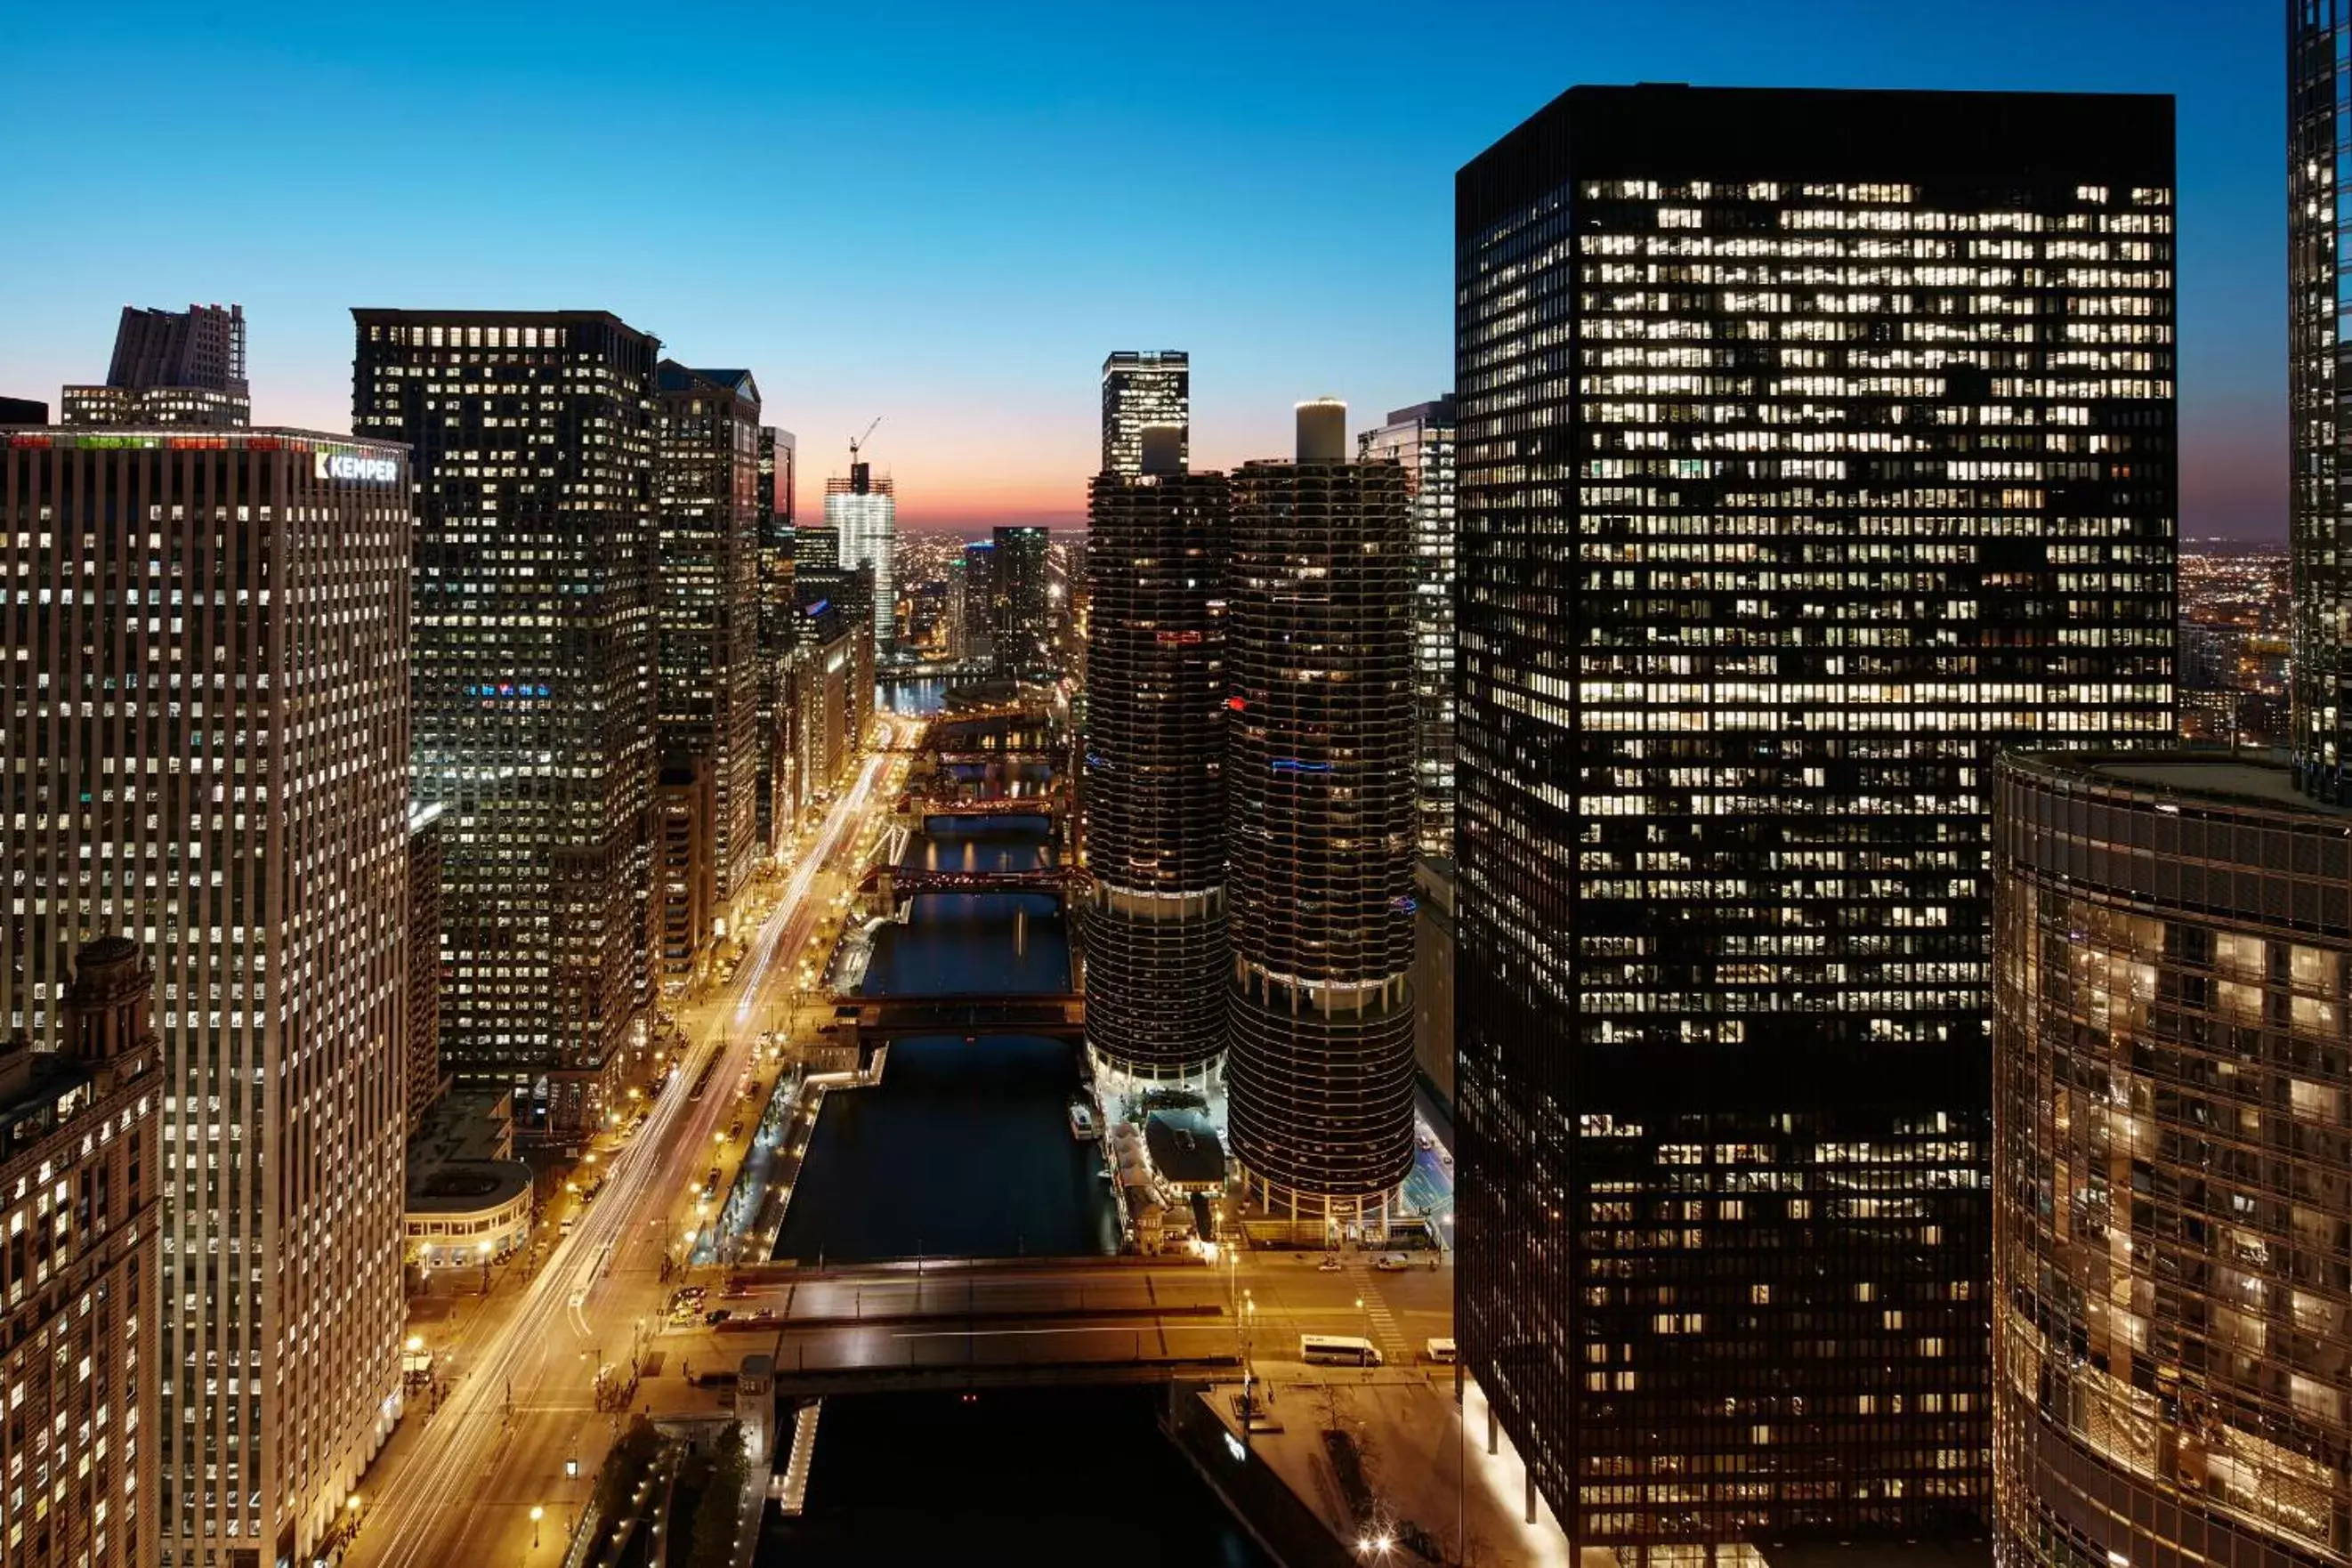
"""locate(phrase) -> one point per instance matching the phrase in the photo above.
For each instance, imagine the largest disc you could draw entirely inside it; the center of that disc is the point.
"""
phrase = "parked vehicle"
(1338, 1350)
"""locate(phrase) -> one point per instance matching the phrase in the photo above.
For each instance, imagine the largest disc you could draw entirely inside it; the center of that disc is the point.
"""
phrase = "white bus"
(1339, 1349)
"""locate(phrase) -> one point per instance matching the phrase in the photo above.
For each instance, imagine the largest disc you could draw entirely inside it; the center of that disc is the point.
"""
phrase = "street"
(519, 1429)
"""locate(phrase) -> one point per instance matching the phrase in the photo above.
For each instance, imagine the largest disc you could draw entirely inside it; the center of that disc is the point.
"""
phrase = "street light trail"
(423, 1513)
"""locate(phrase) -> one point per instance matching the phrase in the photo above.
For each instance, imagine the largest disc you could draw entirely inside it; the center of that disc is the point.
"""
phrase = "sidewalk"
(1422, 1462)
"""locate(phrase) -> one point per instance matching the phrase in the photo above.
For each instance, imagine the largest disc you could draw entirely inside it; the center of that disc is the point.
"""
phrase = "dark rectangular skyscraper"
(2319, 226)
(534, 679)
(708, 489)
(1420, 440)
(1814, 446)
(1024, 610)
(779, 460)
(1152, 386)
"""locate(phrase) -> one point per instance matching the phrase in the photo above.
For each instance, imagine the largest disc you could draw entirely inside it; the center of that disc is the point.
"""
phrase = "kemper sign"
(351, 466)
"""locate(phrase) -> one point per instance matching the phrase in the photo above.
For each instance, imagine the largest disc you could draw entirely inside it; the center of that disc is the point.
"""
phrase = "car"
(1330, 1264)
(716, 1316)
(763, 1315)
(1427, 1142)
(1393, 1263)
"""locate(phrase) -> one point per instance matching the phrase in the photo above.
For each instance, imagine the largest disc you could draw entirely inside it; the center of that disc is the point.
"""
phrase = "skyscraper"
(1154, 767)
(221, 776)
(171, 367)
(1153, 386)
(79, 1130)
(532, 433)
(863, 511)
(1019, 580)
(980, 601)
(423, 1024)
(2318, 225)
(2172, 1060)
(1814, 446)
(1420, 440)
(706, 485)
(1318, 777)
(778, 458)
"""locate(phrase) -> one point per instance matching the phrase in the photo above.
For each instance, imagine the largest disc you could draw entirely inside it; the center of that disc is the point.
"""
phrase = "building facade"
(707, 484)
(532, 434)
(863, 514)
(686, 874)
(224, 780)
(1140, 388)
(980, 602)
(80, 1130)
(1318, 778)
(1153, 780)
(422, 1029)
(2318, 225)
(1420, 440)
(171, 367)
(1814, 446)
(779, 482)
(1020, 585)
(2172, 1059)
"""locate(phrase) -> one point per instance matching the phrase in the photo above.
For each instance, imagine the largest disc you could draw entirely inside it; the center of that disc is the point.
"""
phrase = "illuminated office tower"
(533, 436)
(1153, 387)
(1019, 584)
(980, 601)
(79, 1362)
(779, 457)
(1154, 767)
(863, 513)
(220, 776)
(1420, 440)
(2318, 227)
(171, 367)
(1814, 445)
(2172, 1062)
(706, 485)
(1318, 778)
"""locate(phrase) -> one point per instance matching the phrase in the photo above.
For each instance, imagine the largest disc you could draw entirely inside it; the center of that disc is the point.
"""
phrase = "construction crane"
(861, 440)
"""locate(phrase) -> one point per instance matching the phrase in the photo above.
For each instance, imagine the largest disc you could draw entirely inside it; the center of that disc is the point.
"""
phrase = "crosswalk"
(1386, 1332)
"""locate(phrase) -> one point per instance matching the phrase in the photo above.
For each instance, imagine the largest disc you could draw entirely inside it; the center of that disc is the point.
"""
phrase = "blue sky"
(946, 215)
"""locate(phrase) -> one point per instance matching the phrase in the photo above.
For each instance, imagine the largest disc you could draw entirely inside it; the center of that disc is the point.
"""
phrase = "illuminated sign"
(351, 466)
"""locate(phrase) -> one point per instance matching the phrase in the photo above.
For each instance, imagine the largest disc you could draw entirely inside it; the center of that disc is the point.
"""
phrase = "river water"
(965, 1148)
(1027, 1475)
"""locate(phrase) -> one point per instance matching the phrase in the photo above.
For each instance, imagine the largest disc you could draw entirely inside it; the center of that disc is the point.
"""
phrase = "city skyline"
(1035, 236)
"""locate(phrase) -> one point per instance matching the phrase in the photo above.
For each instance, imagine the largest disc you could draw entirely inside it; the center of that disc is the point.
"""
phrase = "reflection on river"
(965, 1148)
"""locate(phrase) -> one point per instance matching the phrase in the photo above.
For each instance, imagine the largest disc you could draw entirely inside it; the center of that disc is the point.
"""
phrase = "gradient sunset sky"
(947, 215)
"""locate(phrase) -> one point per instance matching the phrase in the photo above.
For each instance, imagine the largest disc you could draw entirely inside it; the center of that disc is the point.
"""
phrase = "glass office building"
(2319, 307)
(706, 490)
(1140, 388)
(1814, 446)
(1420, 440)
(2172, 1314)
(534, 439)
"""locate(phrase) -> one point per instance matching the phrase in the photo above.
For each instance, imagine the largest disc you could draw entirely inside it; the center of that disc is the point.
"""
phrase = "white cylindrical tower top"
(1323, 430)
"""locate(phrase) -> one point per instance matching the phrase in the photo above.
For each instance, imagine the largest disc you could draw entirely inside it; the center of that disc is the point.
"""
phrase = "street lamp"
(537, 1513)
